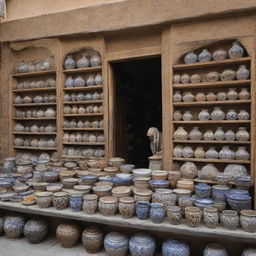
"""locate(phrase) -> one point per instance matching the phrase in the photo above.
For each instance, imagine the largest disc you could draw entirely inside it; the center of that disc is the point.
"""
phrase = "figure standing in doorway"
(155, 137)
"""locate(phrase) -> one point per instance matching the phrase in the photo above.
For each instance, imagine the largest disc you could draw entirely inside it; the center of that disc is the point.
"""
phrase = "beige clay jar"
(180, 134)
(199, 153)
(195, 78)
(177, 116)
(244, 94)
(200, 96)
(211, 96)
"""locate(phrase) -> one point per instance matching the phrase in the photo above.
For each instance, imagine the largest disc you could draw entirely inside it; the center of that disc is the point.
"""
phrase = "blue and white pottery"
(218, 193)
(236, 51)
(13, 226)
(157, 212)
(231, 115)
(238, 202)
(69, 62)
(190, 57)
(237, 192)
(175, 248)
(215, 250)
(76, 202)
(142, 210)
(142, 245)
(122, 179)
(204, 203)
(203, 190)
(204, 56)
(244, 182)
(88, 180)
(116, 244)
(106, 178)
(154, 184)
(126, 168)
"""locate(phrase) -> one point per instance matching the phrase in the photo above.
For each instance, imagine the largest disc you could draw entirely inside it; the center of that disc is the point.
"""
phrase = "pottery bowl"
(243, 181)
(84, 189)
(159, 175)
(51, 176)
(203, 190)
(182, 192)
(122, 191)
(69, 183)
(108, 205)
(54, 187)
(141, 182)
(40, 186)
(67, 174)
(102, 191)
(116, 161)
(92, 163)
(239, 202)
(126, 168)
(185, 184)
(142, 194)
(154, 184)
(111, 171)
(122, 179)
(218, 192)
(141, 173)
(88, 180)
(204, 203)
(20, 187)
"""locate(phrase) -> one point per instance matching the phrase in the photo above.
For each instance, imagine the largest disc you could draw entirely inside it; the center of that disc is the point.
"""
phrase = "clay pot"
(248, 220)
(98, 79)
(185, 184)
(76, 201)
(217, 114)
(177, 116)
(69, 62)
(108, 205)
(211, 217)
(79, 82)
(90, 203)
(69, 83)
(219, 134)
(13, 226)
(185, 78)
(44, 199)
(242, 134)
(50, 112)
(221, 96)
(242, 73)
(60, 200)
(215, 250)
(199, 153)
(195, 134)
(228, 75)
(211, 96)
(226, 153)
(187, 116)
(244, 94)
(200, 96)
(177, 96)
(176, 78)
(157, 212)
(229, 135)
(204, 115)
(174, 215)
(188, 170)
(208, 172)
(188, 97)
(212, 77)
(229, 219)
(242, 154)
(116, 244)
(187, 152)
(83, 62)
(243, 115)
(173, 176)
(204, 56)
(195, 78)
(126, 207)
(209, 135)
(92, 239)
(232, 94)
(235, 170)
(95, 60)
(193, 216)
(219, 54)
(180, 134)
(175, 247)
(142, 210)
(164, 196)
(236, 51)
(190, 57)
(68, 234)
(177, 151)
(211, 153)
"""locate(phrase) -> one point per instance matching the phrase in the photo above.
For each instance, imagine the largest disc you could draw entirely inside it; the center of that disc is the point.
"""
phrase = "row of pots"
(35, 128)
(219, 134)
(80, 81)
(49, 112)
(84, 61)
(82, 96)
(81, 109)
(84, 151)
(49, 82)
(37, 99)
(232, 94)
(83, 124)
(83, 137)
(40, 143)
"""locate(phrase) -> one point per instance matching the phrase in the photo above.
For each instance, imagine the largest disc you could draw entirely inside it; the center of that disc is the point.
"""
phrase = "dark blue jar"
(142, 210)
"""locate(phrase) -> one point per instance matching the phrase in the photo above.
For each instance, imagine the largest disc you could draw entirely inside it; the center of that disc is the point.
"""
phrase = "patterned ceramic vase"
(215, 250)
(116, 244)
(236, 51)
(60, 200)
(76, 202)
(204, 56)
(92, 239)
(175, 248)
(193, 216)
(126, 207)
(229, 219)
(142, 210)
(248, 220)
(174, 215)
(90, 203)
(13, 226)
(157, 213)
(211, 217)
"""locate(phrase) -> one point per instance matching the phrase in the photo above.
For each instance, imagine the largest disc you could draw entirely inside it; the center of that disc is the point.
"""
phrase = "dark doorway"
(138, 106)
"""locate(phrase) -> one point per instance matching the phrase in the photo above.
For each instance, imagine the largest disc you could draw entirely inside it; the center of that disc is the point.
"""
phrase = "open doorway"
(138, 106)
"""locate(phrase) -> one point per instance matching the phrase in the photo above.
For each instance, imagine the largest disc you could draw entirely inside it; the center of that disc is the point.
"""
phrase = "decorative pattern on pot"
(108, 205)
(211, 217)
(92, 239)
(44, 199)
(157, 213)
(215, 250)
(174, 215)
(175, 248)
(229, 219)
(13, 226)
(76, 202)
(116, 244)
(142, 210)
(60, 200)
(126, 207)
(193, 216)
(248, 220)
(90, 203)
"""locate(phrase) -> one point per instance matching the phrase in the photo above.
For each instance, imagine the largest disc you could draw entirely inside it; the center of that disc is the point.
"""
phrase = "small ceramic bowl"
(141, 173)
(84, 189)
(122, 191)
(122, 179)
(126, 168)
(182, 192)
(51, 176)
(111, 171)
(67, 174)
(102, 191)
(142, 194)
(40, 186)
(7, 196)
(185, 184)
(243, 182)
(154, 184)
(116, 161)
(159, 175)
(54, 187)
(204, 203)
(19, 188)
(69, 183)
(88, 180)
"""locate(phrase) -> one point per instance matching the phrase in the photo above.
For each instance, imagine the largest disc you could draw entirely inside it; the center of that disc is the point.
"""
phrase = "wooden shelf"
(83, 102)
(86, 88)
(35, 104)
(35, 89)
(35, 133)
(213, 63)
(82, 70)
(34, 118)
(233, 83)
(78, 115)
(83, 129)
(36, 73)
(206, 103)
(228, 161)
(84, 143)
(210, 142)
(213, 122)
(33, 148)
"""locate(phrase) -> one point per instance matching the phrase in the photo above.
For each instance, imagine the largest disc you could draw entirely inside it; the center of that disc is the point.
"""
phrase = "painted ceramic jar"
(215, 250)
(177, 151)
(204, 115)
(90, 81)
(176, 78)
(187, 116)
(199, 153)
(212, 76)
(69, 83)
(244, 94)
(188, 170)
(229, 135)
(236, 51)
(44, 199)
(219, 134)
(242, 154)
(243, 115)
(229, 219)
(35, 230)
(83, 62)
(98, 79)
(185, 78)
(126, 207)
(200, 96)
(174, 215)
(217, 114)
(175, 248)
(211, 217)
(219, 54)
(76, 202)
(60, 200)
(164, 196)
(79, 82)
(188, 97)
(204, 56)
(173, 176)
(177, 96)
(211, 96)
(142, 244)
(242, 73)
(208, 135)
(231, 115)
(108, 205)
(180, 134)
(142, 210)
(232, 94)
(221, 96)
(211, 153)
(177, 116)
(193, 216)
(248, 220)
(95, 60)
(185, 201)
(90, 203)
(92, 239)
(68, 234)
(226, 153)
(195, 134)
(208, 172)
(203, 190)
(195, 78)
(157, 213)
(242, 134)
(13, 226)
(187, 152)
(228, 75)
(190, 57)
(218, 192)
(116, 244)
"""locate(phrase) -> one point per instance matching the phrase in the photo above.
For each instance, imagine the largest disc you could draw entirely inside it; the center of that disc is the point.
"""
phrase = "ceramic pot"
(221, 96)
(215, 250)
(174, 215)
(142, 244)
(228, 75)
(50, 112)
(175, 248)
(95, 60)
(222, 179)
(92, 239)
(76, 202)
(187, 116)
(219, 54)
(229, 219)
(193, 216)
(177, 116)
(188, 170)
(218, 193)
(180, 134)
(164, 196)
(204, 56)
(229, 135)
(232, 94)
(177, 96)
(204, 115)
(177, 151)
(108, 205)
(211, 217)
(243, 115)
(211, 153)
(116, 244)
(217, 114)
(244, 94)
(157, 213)
(203, 190)
(44, 199)
(219, 134)
(187, 152)
(208, 172)
(126, 207)
(195, 78)
(83, 62)
(13, 226)
(226, 153)
(69, 83)
(67, 234)
(173, 176)
(98, 79)
(242, 73)
(208, 135)
(185, 184)
(190, 57)
(176, 78)
(242, 134)
(35, 231)
(248, 220)
(185, 201)
(60, 200)
(200, 96)
(185, 78)
(195, 134)
(90, 203)
(212, 76)
(199, 153)
(142, 210)
(79, 82)
(242, 154)
(236, 51)
(188, 97)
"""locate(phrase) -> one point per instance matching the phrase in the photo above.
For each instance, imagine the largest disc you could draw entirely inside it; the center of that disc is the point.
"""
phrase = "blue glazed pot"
(142, 245)
(175, 248)
(243, 182)
(239, 202)
(204, 203)
(13, 226)
(116, 244)
(142, 210)
(203, 190)
(218, 193)
(76, 202)
(154, 184)
(157, 213)
(122, 179)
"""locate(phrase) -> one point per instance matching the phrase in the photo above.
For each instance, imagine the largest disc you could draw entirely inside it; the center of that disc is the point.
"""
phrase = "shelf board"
(233, 83)
(84, 143)
(83, 129)
(134, 223)
(213, 63)
(88, 114)
(213, 122)
(36, 73)
(210, 142)
(33, 148)
(229, 161)
(35, 104)
(86, 88)
(82, 102)
(82, 70)
(35, 133)
(34, 118)
(206, 103)
(35, 89)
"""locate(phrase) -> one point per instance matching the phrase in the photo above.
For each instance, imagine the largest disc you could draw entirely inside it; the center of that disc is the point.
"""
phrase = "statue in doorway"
(155, 137)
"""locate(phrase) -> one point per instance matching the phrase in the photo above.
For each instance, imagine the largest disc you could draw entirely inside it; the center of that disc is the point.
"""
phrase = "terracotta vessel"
(92, 239)
(68, 234)
(116, 244)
